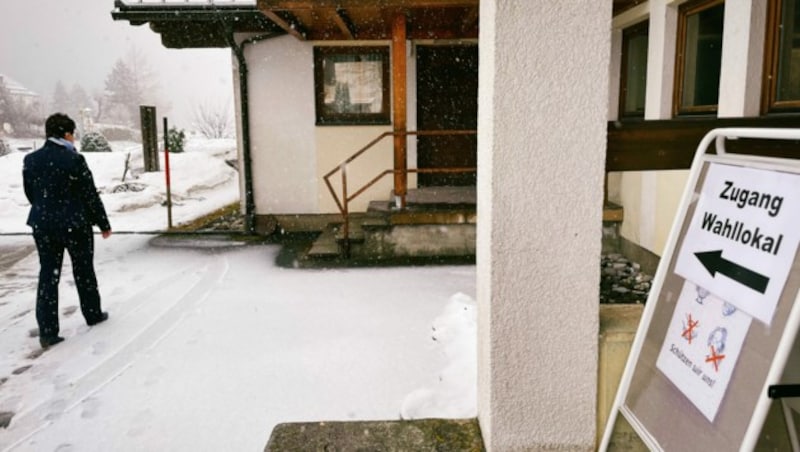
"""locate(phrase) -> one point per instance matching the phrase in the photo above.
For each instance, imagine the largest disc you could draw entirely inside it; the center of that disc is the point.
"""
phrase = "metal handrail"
(343, 203)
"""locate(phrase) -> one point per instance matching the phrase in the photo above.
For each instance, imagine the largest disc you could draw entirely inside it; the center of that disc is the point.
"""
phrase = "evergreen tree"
(122, 92)
(17, 116)
(79, 98)
(7, 107)
(61, 101)
(131, 84)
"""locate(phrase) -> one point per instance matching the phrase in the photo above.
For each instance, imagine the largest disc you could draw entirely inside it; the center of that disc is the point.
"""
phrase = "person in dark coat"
(64, 207)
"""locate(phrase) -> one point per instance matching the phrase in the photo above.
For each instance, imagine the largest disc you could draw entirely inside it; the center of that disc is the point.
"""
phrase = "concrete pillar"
(541, 152)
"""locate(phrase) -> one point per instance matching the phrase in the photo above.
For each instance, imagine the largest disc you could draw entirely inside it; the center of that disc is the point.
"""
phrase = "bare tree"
(214, 120)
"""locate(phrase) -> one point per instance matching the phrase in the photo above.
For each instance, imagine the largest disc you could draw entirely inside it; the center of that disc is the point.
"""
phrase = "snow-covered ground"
(201, 182)
(210, 348)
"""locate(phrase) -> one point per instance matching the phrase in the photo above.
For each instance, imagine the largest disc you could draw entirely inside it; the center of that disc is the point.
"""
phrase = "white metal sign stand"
(722, 316)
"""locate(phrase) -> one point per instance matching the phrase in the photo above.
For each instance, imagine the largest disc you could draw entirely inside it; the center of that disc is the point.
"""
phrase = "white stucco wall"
(336, 144)
(742, 58)
(541, 152)
(290, 154)
(651, 198)
(281, 101)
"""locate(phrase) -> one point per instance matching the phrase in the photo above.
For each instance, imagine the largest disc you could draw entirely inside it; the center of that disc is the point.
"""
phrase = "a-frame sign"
(722, 317)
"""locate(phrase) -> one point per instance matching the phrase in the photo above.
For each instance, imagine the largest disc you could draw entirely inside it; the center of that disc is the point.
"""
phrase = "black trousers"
(79, 243)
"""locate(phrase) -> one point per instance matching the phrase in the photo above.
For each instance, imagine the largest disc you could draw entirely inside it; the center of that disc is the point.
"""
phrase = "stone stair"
(437, 225)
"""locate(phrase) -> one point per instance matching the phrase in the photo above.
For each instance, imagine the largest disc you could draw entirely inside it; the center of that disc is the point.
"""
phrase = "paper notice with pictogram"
(703, 343)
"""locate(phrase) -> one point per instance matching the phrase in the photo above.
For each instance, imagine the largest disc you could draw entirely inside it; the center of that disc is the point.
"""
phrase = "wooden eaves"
(196, 25)
(325, 20)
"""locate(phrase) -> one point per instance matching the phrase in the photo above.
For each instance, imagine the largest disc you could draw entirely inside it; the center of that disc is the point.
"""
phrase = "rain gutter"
(238, 50)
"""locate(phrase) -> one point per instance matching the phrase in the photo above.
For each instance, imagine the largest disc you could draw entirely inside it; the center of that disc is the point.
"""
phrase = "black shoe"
(103, 317)
(49, 341)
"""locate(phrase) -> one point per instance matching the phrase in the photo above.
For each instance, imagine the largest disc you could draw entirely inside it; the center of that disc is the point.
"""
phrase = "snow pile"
(454, 394)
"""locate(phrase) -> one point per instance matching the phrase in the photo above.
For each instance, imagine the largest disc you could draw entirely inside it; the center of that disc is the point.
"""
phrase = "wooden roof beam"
(470, 19)
(291, 25)
(344, 23)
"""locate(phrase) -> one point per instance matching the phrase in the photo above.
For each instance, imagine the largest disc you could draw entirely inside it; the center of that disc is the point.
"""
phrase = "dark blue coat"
(61, 190)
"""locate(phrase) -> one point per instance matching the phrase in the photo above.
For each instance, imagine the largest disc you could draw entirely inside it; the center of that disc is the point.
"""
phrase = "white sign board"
(742, 239)
(698, 360)
(701, 347)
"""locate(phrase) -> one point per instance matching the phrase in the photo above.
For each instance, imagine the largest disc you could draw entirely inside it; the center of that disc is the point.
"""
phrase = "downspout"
(238, 50)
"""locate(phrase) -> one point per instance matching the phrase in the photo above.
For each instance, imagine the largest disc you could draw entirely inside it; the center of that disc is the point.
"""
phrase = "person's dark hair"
(58, 124)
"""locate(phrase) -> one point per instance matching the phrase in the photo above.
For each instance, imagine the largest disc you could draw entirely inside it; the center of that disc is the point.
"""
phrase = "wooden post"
(167, 174)
(399, 112)
(147, 116)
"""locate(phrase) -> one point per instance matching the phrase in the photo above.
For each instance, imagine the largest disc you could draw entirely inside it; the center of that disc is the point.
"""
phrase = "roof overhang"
(324, 20)
(186, 25)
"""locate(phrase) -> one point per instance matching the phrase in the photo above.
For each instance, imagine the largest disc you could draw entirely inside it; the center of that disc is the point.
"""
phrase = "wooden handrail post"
(345, 213)
(399, 112)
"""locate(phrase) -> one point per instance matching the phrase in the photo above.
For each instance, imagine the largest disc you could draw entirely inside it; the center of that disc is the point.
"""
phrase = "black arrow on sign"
(713, 262)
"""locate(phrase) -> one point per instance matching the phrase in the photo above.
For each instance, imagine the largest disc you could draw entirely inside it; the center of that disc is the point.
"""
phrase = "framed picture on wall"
(351, 85)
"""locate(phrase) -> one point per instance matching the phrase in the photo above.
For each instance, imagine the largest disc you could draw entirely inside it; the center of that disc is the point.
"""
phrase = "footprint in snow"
(99, 348)
(35, 354)
(155, 376)
(57, 409)
(5, 418)
(140, 423)
(89, 408)
(21, 370)
(21, 314)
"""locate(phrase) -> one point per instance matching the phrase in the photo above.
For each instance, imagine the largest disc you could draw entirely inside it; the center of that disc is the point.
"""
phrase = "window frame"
(772, 57)
(684, 11)
(323, 114)
(637, 30)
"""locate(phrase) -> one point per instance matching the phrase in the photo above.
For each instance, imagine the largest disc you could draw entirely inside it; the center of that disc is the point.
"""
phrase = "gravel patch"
(622, 281)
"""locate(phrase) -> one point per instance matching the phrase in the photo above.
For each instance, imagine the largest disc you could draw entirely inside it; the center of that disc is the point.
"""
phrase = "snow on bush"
(94, 142)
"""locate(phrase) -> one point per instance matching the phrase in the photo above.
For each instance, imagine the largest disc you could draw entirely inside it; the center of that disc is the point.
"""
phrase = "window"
(351, 85)
(698, 57)
(782, 57)
(633, 73)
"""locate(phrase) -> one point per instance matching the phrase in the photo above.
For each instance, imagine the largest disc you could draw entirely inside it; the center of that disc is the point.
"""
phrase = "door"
(447, 99)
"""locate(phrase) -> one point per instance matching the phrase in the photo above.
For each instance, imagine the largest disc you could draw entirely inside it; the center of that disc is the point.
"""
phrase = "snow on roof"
(15, 87)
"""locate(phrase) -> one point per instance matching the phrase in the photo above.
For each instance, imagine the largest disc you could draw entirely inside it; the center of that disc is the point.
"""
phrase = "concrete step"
(359, 227)
(406, 435)
(422, 230)
(425, 213)
(325, 246)
(613, 212)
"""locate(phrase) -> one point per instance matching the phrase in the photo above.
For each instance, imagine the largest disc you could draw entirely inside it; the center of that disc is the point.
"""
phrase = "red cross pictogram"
(688, 333)
(714, 358)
